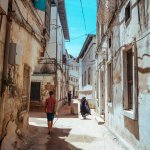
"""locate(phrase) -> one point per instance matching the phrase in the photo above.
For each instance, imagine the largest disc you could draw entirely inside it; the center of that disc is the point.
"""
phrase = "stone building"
(23, 35)
(49, 73)
(87, 70)
(123, 69)
(73, 75)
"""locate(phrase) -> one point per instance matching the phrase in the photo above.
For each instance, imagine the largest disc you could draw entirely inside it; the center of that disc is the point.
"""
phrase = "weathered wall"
(134, 131)
(15, 104)
(51, 45)
(2, 44)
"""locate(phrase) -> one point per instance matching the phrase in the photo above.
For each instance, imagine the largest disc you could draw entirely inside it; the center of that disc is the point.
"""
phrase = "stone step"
(37, 106)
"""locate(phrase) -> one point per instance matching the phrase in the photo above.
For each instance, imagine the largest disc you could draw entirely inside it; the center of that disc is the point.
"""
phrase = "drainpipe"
(136, 94)
(56, 63)
(6, 51)
(5, 70)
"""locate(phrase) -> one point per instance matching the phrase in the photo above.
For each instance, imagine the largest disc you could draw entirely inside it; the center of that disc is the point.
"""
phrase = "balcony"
(45, 66)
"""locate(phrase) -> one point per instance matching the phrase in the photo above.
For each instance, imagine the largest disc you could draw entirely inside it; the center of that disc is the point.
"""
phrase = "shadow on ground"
(43, 115)
(58, 140)
(66, 116)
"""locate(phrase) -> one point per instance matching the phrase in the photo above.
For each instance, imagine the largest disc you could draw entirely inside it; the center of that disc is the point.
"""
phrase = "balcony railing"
(47, 66)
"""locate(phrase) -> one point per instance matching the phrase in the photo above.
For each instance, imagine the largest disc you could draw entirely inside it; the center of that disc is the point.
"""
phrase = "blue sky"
(76, 23)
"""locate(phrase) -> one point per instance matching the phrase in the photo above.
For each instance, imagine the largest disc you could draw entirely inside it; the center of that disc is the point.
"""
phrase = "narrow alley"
(75, 59)
(70, 132)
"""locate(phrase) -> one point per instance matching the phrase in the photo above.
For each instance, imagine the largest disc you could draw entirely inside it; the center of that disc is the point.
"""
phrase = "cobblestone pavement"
(69, 133)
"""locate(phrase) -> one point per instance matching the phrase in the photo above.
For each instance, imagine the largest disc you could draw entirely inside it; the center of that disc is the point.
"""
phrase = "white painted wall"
(87, 61)
(124, 126)
(73, 72)
(51, 45)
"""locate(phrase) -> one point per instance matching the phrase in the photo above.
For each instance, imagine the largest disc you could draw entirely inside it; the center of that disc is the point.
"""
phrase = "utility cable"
(83, 16)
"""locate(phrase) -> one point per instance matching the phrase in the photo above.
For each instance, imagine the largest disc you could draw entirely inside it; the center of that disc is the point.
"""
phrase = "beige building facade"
(22, 42)
(123, 69)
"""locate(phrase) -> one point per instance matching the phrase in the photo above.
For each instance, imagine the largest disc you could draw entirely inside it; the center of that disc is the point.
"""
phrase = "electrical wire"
(83, 16)
(142, 37)
(81, 36)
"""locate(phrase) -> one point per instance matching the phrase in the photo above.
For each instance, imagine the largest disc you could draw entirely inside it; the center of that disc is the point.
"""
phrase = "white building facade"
(73, 76)
(49, 74)
(123, 72)
(87, 70)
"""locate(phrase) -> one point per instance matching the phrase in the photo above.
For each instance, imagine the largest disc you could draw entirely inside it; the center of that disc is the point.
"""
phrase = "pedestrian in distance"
(84, 108)
(69, 98)
(50, 107)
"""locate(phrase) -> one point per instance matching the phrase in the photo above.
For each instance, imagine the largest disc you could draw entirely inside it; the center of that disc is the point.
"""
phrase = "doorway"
(35, 91)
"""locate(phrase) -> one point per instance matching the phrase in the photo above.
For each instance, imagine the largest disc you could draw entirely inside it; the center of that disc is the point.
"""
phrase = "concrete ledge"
(99, 120)
(74, 108)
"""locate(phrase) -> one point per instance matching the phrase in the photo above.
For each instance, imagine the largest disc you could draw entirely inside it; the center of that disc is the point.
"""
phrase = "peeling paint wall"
(2, 44)
(134, 131)
(15, 100)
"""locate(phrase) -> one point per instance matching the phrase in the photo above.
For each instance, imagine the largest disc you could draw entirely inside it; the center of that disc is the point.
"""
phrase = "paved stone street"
(69, 133)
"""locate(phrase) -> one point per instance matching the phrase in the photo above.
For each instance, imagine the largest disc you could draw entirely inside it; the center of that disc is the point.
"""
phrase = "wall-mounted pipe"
(6, 48)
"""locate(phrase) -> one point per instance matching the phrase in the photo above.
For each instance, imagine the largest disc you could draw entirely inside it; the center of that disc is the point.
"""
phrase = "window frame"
(127, 21)
(109, 96)
(130, 113)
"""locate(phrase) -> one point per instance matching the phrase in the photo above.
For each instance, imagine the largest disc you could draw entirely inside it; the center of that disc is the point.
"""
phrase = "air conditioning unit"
(15, 54)
(3, 6)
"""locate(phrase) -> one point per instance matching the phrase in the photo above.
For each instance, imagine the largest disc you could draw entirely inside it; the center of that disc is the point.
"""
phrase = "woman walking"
(84, 108)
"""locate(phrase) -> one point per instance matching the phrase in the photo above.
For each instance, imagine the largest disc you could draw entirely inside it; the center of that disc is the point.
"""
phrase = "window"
(129, 82)
(109, 42)
(110, 82)
(89, 76)
(130, 78)
(127, 12)
(64, 59)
